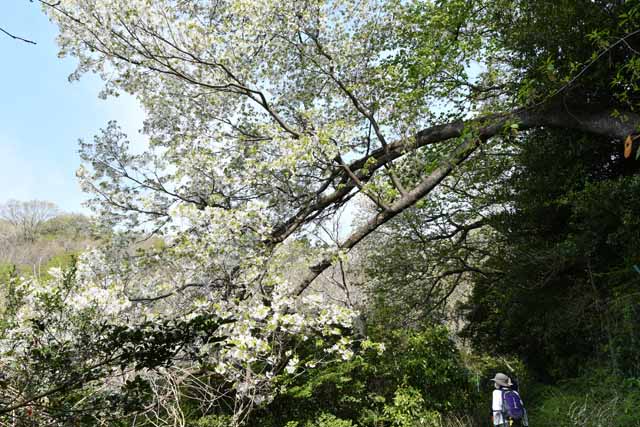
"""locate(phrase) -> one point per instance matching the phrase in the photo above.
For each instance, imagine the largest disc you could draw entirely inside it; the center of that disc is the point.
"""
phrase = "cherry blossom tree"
(265, 119)
(284, 112)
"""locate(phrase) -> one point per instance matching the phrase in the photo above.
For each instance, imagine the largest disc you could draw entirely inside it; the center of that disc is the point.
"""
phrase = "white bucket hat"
(502, 380)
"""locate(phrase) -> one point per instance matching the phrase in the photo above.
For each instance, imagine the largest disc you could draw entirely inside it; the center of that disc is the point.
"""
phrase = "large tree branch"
(601, 122)
(429, 183)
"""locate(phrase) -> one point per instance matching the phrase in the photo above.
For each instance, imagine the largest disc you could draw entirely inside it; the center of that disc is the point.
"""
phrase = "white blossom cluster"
(255, 348)
(253, 108)
(267, 336)
(61, 300)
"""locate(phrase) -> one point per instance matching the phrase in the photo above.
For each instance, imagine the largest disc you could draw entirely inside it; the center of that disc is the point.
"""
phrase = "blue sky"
(42, 115)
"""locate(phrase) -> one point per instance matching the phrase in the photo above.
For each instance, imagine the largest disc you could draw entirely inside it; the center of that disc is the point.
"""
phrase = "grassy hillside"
(55, 242)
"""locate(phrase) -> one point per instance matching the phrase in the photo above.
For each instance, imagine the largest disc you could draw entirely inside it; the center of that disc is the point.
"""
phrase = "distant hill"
(55, 241)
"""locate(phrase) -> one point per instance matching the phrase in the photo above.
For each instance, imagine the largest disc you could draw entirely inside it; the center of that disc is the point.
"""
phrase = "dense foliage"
(563, 290)
(481, 140)
(422, 367)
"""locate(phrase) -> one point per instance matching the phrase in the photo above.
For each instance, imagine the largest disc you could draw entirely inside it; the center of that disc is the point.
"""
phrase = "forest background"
(350, 214)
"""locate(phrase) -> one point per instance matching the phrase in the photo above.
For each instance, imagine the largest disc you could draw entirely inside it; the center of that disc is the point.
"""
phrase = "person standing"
(507, 406)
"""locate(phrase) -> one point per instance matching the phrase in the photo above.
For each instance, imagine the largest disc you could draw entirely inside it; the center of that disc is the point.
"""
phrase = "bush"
(328, 420)
(214, 421)
(593, 400)
(419, 376)
(408, 410)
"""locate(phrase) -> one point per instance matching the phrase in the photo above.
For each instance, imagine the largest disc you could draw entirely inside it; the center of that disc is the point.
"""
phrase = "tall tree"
(301, 106)
(28, 217)
(559, 284)
(265, 118)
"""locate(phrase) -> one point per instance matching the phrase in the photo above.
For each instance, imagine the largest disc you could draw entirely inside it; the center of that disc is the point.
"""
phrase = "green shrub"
(214, 421)
(328, 420)
(597, 399)
(419, 376)
(408, 410)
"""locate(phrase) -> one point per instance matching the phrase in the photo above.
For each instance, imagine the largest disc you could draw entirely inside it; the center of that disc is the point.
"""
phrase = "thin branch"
(377, 200)
(588, 65)
(16, 37)
(165, 295)
(369, 115)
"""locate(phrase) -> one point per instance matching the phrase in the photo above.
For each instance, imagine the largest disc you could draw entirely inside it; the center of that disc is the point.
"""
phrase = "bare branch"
(16, 37)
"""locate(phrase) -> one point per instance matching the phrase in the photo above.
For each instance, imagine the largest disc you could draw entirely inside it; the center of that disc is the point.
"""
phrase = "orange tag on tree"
(628, 146)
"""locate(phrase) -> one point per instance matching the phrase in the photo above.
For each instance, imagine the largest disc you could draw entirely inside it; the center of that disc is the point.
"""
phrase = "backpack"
(512, 405)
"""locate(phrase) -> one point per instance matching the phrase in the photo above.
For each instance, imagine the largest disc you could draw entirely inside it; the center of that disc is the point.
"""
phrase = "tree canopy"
(296, 108)
(266, 120)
